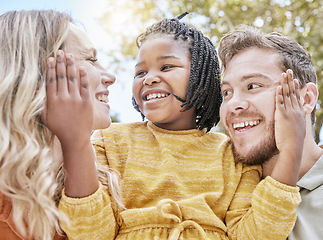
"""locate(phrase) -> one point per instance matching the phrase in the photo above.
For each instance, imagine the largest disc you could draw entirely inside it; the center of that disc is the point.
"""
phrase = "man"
(252, 62)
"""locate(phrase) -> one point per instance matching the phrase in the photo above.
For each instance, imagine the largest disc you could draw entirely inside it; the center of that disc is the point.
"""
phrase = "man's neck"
(311, 153)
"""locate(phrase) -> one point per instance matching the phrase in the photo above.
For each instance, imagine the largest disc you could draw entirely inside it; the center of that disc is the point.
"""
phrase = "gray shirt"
(309, 223)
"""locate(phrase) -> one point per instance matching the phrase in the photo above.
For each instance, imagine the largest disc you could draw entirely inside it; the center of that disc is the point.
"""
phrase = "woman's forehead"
(77, 39)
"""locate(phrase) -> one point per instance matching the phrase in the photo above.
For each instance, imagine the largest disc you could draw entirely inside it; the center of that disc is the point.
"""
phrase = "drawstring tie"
(177, 217)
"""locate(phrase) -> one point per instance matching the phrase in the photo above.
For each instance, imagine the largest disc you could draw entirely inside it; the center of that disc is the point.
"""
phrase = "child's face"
(163, 69)
(78, 44)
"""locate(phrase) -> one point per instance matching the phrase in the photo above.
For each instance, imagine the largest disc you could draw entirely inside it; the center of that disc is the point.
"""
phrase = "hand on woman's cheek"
(69, 106)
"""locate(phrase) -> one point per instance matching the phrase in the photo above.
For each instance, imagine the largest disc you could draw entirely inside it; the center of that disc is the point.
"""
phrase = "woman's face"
(84, 53)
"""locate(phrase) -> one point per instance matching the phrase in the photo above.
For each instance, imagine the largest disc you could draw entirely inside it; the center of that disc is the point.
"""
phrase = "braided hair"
(204, 90)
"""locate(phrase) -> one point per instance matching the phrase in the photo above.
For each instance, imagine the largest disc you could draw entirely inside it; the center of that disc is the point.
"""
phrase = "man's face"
(247, 112)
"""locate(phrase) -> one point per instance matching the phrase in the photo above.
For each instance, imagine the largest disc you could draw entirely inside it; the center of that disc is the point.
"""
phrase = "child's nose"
(151, 79)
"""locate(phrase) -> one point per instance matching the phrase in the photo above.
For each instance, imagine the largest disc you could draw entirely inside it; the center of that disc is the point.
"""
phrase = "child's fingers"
(51, 85)
(279, 99)
(291, 86)
(285, 91)
(298, 93)
(62, 86)
(73, 86)
(84, 83)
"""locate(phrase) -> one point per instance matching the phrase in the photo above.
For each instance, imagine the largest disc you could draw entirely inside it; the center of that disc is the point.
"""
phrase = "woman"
(31, 178)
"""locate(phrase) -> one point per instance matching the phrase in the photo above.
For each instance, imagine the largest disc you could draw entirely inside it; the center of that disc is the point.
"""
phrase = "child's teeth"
(155, 96)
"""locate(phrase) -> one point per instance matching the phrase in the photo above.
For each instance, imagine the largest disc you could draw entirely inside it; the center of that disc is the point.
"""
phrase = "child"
(178, 180)
(31, 155)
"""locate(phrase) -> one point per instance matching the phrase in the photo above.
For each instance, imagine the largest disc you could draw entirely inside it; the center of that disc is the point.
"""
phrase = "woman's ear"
(309, 95)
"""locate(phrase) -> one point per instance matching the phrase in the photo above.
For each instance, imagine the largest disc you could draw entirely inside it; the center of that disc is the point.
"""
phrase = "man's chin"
(258, 155)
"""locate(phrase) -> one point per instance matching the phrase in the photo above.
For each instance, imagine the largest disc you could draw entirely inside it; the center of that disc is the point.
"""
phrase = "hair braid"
(203, 90)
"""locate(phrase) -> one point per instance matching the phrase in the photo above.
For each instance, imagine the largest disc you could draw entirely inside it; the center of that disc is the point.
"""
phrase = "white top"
(309, 223)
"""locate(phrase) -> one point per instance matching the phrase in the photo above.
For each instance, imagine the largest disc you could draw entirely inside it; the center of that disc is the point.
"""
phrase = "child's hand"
(289, 129)
(68, 112)
(69, 115)
(289, 114)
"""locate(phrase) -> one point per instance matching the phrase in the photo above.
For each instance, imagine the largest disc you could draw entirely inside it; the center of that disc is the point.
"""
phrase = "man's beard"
(259, 154)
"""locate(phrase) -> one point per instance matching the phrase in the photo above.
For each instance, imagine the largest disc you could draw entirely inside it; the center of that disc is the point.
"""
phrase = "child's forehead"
(168, 38)
(159, 49)
(163, 44)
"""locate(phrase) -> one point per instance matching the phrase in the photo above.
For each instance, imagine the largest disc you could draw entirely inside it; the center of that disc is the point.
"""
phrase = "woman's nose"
(108, 78)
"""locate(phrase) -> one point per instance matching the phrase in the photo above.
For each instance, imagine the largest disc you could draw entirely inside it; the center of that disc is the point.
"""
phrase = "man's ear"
(309, 96)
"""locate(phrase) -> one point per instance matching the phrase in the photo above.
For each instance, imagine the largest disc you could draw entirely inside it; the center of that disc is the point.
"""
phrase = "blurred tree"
(114, 117)
(301, 19)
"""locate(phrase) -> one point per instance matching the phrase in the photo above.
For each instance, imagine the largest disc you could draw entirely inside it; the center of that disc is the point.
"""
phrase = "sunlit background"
(113, 25)
(89, 13)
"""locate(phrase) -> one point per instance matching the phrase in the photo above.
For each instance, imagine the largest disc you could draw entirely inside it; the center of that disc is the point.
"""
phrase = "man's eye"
(166, 67)
(226, 92)
(253, 86)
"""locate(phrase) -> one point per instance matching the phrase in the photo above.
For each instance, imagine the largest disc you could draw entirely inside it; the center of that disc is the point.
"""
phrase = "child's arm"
(69, 115)
(268, 210)
(289, 130)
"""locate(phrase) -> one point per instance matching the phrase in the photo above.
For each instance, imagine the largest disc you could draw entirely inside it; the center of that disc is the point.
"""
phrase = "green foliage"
(114, 117)
(301, 19)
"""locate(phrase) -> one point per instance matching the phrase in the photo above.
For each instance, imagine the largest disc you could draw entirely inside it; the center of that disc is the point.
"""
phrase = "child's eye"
(253, 86)
(140, 73)
(166, 67)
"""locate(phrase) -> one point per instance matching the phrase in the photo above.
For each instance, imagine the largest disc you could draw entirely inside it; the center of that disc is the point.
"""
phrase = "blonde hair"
(27, 175)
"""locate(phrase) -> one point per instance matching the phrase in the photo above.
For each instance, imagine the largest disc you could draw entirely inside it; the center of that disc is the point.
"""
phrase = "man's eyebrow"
(250, 76)
(269, 82)
(264, 77)
(255, 75)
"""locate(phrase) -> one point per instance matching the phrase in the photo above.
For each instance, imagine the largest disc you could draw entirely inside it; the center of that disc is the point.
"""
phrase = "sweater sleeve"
(90, 217)
(262, 211)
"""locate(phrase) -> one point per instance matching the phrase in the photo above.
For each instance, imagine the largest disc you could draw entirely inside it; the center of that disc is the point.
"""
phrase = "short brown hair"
(292, 55)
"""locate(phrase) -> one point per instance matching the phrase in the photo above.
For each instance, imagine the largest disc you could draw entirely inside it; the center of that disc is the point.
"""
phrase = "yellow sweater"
(179, 185)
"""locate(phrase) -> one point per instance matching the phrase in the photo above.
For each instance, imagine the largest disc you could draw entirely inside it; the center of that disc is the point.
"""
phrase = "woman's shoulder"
(5, 207)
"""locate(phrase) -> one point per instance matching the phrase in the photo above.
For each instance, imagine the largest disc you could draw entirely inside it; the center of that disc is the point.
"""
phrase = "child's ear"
(309, 96)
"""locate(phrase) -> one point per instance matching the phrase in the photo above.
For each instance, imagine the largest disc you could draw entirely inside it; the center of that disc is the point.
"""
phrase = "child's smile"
(162, 71)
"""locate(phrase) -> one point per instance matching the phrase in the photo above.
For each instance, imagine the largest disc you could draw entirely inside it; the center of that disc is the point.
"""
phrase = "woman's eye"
(165, 67)
(253, 86)
(92, 60)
